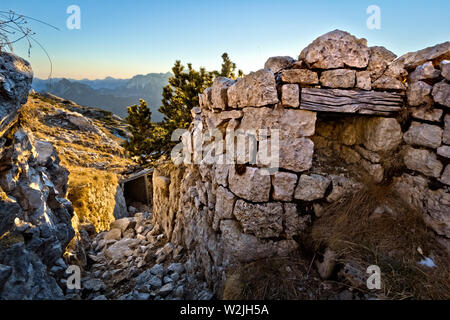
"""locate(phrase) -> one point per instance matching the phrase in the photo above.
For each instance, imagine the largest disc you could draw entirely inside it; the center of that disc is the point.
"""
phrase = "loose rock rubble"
(134, 261)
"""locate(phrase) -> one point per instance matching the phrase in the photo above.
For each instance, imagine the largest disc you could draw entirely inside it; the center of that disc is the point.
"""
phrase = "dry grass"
(389, 240)
(276, 278)
(92, 193)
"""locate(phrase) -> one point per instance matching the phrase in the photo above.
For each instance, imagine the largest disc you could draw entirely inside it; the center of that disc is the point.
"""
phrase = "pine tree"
(228, 68)
(150, 140)
(146, 137)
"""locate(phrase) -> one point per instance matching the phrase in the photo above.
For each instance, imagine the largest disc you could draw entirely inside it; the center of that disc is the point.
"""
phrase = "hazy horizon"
(122, 40)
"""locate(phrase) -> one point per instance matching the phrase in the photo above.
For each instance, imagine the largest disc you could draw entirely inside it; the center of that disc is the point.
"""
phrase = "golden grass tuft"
(92, 193)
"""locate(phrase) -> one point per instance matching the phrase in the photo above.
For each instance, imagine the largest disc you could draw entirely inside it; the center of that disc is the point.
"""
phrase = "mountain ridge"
(109, 94)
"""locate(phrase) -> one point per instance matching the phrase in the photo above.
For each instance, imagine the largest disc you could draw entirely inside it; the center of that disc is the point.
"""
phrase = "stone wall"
(346, 114)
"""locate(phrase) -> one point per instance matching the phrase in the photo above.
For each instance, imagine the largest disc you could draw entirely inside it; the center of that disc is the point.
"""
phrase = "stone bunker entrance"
(137, 187)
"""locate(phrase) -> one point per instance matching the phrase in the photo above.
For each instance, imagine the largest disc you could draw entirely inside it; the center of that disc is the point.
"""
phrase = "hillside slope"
(87, 141)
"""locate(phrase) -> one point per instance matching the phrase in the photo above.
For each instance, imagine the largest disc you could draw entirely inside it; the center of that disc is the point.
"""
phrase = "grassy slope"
(94, 162)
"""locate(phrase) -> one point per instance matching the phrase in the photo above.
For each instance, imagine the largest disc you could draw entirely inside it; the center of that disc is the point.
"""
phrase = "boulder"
(292, 123)
(410, 61)
(123, 224)
(445, 69)
(114, 234)
(205, 99)
(276, 64)
(15, 81)
(437, 204)
(380, 57)
(219, 90)
(311, 187)
(418, 93)
(252, 185)
(363, 80)
(445, 178)
(444, 151)
(422, 134)
(339, 78)
(382, 134)
(121, 249)
(446, 134)
(423, 72)
(23, 276)
(257, 89)
(423, 161)
(300, 76)
(427, 114)
(296, 154)
(283, 186)
(261, 220)
(225, 201)
(387, 82)
(294, 223)
(242, 247)
(441, 93)
(290, 95)
(336, 49)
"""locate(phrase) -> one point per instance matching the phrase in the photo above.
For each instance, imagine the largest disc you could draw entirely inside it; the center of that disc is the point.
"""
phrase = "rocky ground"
(134, 261)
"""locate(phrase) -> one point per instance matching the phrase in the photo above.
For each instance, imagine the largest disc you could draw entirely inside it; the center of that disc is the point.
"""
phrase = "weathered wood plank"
(350, 101)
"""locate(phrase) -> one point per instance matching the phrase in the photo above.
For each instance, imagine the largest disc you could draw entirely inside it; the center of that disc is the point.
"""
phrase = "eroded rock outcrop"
(35, 216)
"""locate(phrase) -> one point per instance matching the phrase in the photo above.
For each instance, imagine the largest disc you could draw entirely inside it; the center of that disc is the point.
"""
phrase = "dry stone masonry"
(347, 113)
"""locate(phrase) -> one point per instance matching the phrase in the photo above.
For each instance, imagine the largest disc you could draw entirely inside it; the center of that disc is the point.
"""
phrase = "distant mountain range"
(110, 94)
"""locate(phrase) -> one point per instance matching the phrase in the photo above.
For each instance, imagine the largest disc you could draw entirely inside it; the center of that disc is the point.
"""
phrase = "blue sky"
(123, 38)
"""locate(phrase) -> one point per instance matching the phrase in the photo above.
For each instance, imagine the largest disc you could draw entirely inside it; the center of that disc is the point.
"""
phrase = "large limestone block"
(311, 187)
(423, 161)
(410, 61)
(445, 69)
(423, 72)
(363, 80)
(445, 178)
(339, 78)
(219, 90)
(290, 95)
(380, 57)
(444, 151)
(296, 154)
(446, 134)
(283, 186)
(261, 220)
(294, 223)
(438, 207)
(336, 49)
(225, 201)
(382, 134)
(386, 82)
(425, 113)
(252, 185)
(276, 64)
(422, 134)
(418, 93)
(257, 89)
(300, 76)
(243, 247)
(291, 123)
(205, 99)
(441, 93)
